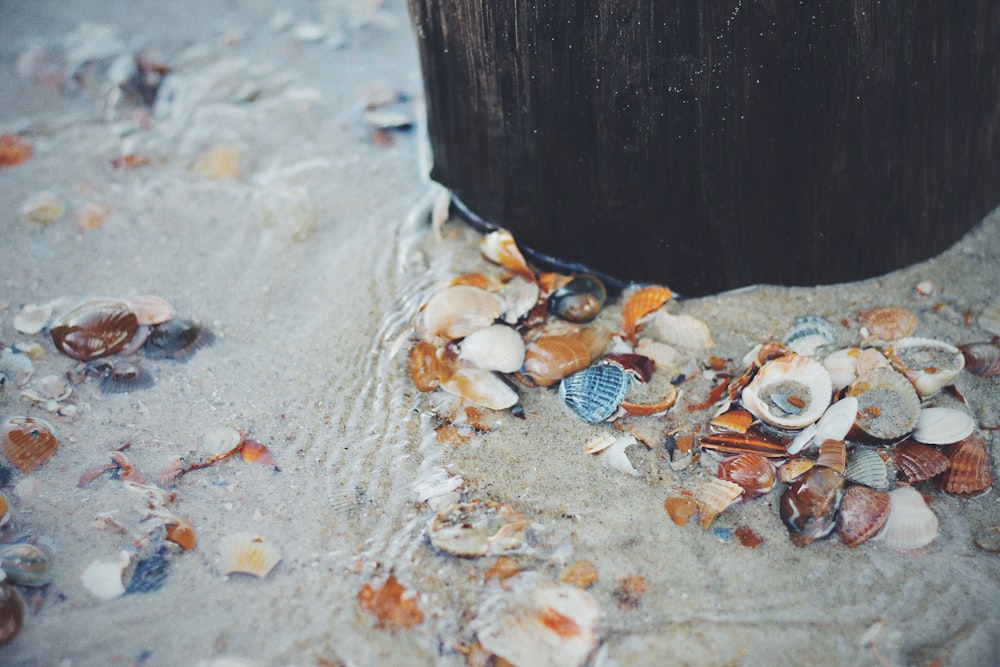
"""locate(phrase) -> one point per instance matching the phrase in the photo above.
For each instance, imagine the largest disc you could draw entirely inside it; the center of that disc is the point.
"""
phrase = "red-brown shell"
(551, 358)
(982, 358)
(751, 442)
(917, 462)
(28, 443)
(889, 322)
(809, 505)
(753, 472)
(833, 454)
(11, 612)
(642, 303)
(14, 149)
(969, 466)
(862, 514)
(94, 329)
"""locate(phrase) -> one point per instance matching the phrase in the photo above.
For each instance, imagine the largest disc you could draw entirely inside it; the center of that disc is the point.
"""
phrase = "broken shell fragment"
(863, 512)
(832, 454)
(247, 553)
(640, 303)
(103, 578)
(124, 377)
(43, 208)
(94, 329)
(809, 505)
(842, 365)
(969, 466)
(595, 393)
(837, 421)
(496, 348)
(32, 318)
(680, 509)
(456, 311)
(982, 358)
(733, 420)
(28, 443)
(581, 574)
(499, 246)
(549, 359)
(808, 334)
(943, 426)
(477, 528)
(391, 603)
(26, 564)
(579, 300)
(482, 387)
(888, 405)
(150, 309)
(911, 523)
(789, 392)
(714, 497)
(929, 364)
(916, 462)
(794, 468)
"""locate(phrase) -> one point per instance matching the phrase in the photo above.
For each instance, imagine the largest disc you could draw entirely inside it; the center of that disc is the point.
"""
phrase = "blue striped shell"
(808, 334)
(596, 392)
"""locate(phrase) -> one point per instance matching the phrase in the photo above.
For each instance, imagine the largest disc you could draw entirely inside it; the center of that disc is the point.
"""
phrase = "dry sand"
(311, 328)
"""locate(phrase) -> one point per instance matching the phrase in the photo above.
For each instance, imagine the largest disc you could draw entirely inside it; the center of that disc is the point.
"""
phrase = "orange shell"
(551, 358)
(680, 509)
(645, 410)
(581, 574)
(181, 531)
(794, 468)
(499, 246)
(390, 602)
(754, 474)
(918, 462)
(28, 443)
(256, 452)
(889, 322)
(833, 454)
(714, 497)
(751, 442)
(424, 367)
(733, 420)
(642, 303)
(970, 466)
(14, 149)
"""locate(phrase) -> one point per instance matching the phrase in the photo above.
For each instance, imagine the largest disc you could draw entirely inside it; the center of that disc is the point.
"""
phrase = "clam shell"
(247, 553)
(456, 311)
(754, 473)
(103, 578)
(916, 462)
(26, 564)
(640, 303)
(150, 309)
(842, 365)
(969, 466)
(595, 393)
(499, 246)
(808, 334)
(943, 426)
(579, 300)
(983, 358)
(751, 442)
(28, 443)
(94, 329)
(888, 323)
(929, 364)
(549, 359)
(518, 297)
(177, 338)
(809, 505)
(495, 348)
(790, 392)
(11, 613)
(865, 466)
(888, 405)
(837, 421)
(911, 523)
(832, 454)
(863, 512)
(794, 468)
(482, 387)
(477, 528)
(715, 496)
(681, 331)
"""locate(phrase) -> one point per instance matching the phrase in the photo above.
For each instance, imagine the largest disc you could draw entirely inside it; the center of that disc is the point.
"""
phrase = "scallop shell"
(865, 466)
(969, 466)
(715, 496)
(790, 392)
(247, 553)
(943, 426)
(499, 246)
(28, 443)
(579, 300)
(888, 405)
(888, 323)
(808, 334)
(863, 512)
(640, 303)
(983, 358)
(495, 348)
(911, 523)
(549, 359)
(477, 528)
(11, 613)
(842, 365)
(681, 331)
(809, 505)
(832, 454)
(917, 462)
(456, 311)
(754, 473)
(680, 509)
(94, 329)
(26, 564)
(929, 364)
(481, 387)
(595, 393)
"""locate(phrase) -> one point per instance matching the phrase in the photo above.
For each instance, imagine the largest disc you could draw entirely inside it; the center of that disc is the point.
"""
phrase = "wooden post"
(713, 144)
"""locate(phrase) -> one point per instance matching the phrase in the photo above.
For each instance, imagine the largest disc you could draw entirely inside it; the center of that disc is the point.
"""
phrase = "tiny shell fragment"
(391, 603)
(477, 528)
(581, 574)
(14, 149)
(91, 215)
(43, 208)
(680, 509)
(103, 578)
(220, 162)
(249, 554)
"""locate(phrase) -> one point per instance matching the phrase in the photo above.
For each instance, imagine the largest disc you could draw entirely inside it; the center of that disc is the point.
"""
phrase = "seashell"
(969, 466)
(150, 309)
(929, 364)
(667, 401)
(124, 377)
(794, 468)
(733, 420)
(680, 509)
(32, 318)
(247, 553)
(715, 496)
(869, 359)
(518, 297)
(549, 359)
(789, 392)
(14, 149)
(838, 419)
(150, 572)
(579, 300)
(219, 442)
(842, 365)
(911, 523)
(43, 208)
(664, 355)
(983, 358)
(751, 442)
(11, 613)
(477, 528)
(456, 311)
(809, 505)
(888, 323)
(94, 329)
(103, 578)
(612, 452)
(477, 279)
(640, 303)
(888, 405)
(808, 334)
(582, 574)
(802, 439)
(4, 510)
(496, 348)
(180, 531)
(595, 393)
(943, 426)
(833, 455)
(426, 366)
(925, 287)
(177, 338)
(754, 473)
(482, 387)
(499, 247)
(917, 462)
(28, 443)
(865, 466)
(681, 331)
(26, 564)
(989, 318)
(391, 603)
(863, 512)
(640, 367)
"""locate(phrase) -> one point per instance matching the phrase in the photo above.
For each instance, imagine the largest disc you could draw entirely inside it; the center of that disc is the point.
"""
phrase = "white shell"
(664, 355)
(808, 334)
(456, 311)
(929, 364)
(842, 365)
(518, 297)
(802, 439)
(247, 553)
(32, 318)
(219, 440)
(793, 376)
(612, 452)
(942, 426)
(103, 578)
(482, 387)
(681, 331)
(495, 348)
(911, 523)
(837, 420)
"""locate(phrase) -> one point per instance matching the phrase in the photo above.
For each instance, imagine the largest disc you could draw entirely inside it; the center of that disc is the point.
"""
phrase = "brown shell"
(751, 442)
(11, 613)
(832, 454)
(969, 470)
(917, 462)
(754, 473)
(982, 358)
(549, 359)
(641, 303)
(680, 509)
(28, 443)
(94, 329)
(734, 420)
(809, 505)
(424, 367)
(771, 350)
(889, 322)
(862, 514)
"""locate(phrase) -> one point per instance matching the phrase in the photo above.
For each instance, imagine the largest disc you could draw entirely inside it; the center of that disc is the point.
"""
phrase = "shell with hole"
(789, 392)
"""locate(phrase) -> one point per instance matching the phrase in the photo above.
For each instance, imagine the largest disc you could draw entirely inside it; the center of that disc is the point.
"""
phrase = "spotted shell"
(789, 392)
(455, 311)
(916, 462)
(943, 426)
(888, 405)
(863, 512)
(640, 303)
(808, 334)
(969, 466)
(28, 443)
(595, 393)
(982, 358)
(754, 473)
(715, 496)
(809, 505)
(865, 466)
(929, 364)
(94, 329)
(549, 359)
(888, 323)
(911, 523)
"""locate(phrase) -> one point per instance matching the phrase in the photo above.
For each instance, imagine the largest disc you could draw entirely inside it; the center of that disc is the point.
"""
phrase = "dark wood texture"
(710, 145)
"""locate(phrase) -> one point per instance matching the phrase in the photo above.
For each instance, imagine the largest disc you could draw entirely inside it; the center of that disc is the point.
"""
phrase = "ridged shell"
(889, 322)
(751, 442)
(499, 246)
(247, 553)
(549, 359)
(943, 426)
(982, 358)
(929, 364)
(477, 528)
(865, 466)
(680, 509)
(911, 523)
(579, 300)
(863, 512)
(969, 466)
(26, 564)
(456, 311)
(794, 468)
(754, 473)
(809, 505)
(888, 405)
(790, 392)
(715, 496)
(595, 393)
(481, 387)
(842, 365)
(11, 613)
(832, 454)
(681, 331)
(94, 329)
(808, 334)
(640, 303)
(28, 443)
(495, 348)
(916, 462)
(733, 420)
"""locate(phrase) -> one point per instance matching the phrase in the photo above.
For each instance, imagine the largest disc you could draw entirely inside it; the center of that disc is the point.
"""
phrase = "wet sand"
(309, 268)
